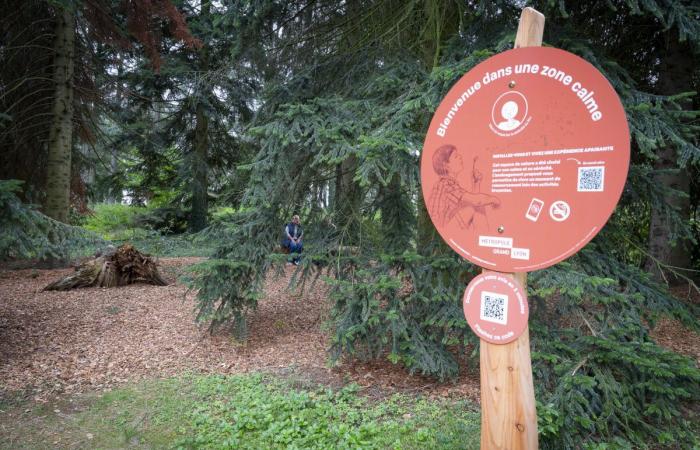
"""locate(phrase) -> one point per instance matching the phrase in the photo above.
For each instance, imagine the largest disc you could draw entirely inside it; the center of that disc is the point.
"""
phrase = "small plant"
(113, 309)
(259, 411)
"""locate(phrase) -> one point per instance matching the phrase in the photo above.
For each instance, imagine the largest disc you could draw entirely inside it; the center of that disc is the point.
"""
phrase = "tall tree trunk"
(443, 23)
(427, 241)
(398, 224)
(331, 194)
(346, 194)
(200, 202)
(348, 198)
(200, 169)
(675, 76)
(114, 194)
(58, 176)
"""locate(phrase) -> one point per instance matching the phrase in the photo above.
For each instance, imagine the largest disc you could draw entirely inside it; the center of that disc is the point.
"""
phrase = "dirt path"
(94, 339)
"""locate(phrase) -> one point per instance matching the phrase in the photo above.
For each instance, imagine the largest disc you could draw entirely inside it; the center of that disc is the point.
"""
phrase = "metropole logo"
(509, 114)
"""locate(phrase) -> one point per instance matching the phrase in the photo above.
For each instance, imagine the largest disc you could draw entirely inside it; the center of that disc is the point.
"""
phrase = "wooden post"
(530, 29)
(508, 415)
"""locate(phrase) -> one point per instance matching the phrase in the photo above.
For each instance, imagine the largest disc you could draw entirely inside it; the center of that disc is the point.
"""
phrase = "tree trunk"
(58, 176)
(427, 241)
(348, 198)
(331, 194)
(198, 218)
(396, 209)
(675, 76)
(200, 169)
(443, 23)
(116, 267)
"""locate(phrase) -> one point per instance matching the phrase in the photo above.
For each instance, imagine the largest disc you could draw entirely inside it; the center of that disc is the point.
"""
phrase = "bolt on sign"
(525, 159)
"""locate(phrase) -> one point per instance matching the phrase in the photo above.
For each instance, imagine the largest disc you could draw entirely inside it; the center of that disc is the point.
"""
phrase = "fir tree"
(360, 103)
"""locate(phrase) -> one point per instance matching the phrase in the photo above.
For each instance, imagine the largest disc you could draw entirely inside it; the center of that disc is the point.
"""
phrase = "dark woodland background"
(212, 122)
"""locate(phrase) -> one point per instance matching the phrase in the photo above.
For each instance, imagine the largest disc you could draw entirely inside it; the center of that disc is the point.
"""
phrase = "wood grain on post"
(530, 29)
(508, 415)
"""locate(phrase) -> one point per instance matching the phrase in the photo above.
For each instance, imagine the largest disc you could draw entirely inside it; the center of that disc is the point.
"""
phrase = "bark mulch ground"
(98, 338)
(673, 335)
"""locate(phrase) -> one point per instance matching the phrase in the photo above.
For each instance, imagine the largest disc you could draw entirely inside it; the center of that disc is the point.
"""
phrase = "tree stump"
(115, 267)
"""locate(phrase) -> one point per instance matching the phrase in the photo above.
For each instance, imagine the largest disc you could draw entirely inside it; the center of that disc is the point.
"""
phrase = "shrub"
(27, 233)
(115, 221)
(165, 219)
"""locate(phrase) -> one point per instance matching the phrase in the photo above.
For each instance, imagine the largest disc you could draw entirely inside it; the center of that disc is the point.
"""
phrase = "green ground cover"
(243, 412)
(122, 224)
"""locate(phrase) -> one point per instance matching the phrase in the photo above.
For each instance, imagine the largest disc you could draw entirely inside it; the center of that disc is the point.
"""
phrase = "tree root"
(118, 267)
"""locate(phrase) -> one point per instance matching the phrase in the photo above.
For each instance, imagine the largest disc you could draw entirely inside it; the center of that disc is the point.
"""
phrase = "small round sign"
(525, 159)
(495, 306)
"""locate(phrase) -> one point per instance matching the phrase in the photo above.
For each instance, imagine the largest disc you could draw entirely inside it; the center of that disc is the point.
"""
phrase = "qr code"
(590, 179)
(494, 307)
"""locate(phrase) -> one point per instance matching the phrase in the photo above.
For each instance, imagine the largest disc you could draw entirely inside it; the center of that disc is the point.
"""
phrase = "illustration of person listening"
(449, 200)
(509, 110)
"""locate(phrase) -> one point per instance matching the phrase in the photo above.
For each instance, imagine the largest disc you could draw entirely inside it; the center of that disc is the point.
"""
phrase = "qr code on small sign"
(494, 307)
(590, 179)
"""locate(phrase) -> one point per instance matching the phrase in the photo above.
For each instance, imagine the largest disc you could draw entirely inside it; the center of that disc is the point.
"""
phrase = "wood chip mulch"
(98, 338)
(673, 335)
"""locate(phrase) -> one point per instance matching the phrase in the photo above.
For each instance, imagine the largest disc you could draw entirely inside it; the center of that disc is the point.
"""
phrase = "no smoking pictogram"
(559, 211)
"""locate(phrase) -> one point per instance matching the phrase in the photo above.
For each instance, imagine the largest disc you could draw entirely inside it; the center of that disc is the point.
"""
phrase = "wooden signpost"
(524, 162)
(508, 414)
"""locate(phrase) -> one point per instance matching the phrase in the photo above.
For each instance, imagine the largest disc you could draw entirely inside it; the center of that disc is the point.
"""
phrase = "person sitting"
(293, 235)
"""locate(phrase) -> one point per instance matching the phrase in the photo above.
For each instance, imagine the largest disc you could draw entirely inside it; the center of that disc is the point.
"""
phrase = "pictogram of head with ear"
(509, 111)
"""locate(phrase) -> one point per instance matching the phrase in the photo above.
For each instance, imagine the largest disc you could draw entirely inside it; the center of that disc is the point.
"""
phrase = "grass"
(116, 223)
(171, 246)
(243, 412)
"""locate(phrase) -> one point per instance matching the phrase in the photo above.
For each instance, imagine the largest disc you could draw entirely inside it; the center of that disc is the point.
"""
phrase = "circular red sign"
(495, 306)
(525, 159)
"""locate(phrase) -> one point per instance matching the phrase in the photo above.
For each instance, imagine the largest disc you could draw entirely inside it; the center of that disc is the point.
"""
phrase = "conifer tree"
(365, 97)
(198, 216)
(77, 26)
(61, 135)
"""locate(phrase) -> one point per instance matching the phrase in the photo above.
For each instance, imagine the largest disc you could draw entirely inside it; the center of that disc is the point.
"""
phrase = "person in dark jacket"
(293, 235)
